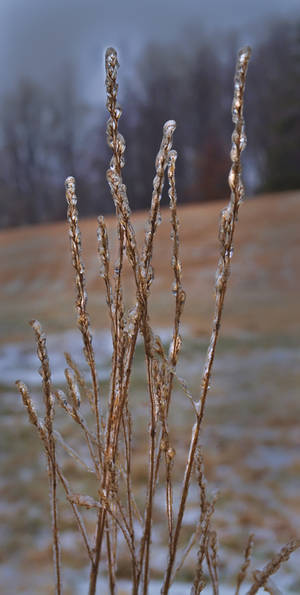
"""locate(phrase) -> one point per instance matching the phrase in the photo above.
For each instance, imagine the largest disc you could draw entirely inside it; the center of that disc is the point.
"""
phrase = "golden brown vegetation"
(109, 431)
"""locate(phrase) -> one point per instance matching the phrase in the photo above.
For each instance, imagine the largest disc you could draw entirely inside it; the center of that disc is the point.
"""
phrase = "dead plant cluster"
(109, 438)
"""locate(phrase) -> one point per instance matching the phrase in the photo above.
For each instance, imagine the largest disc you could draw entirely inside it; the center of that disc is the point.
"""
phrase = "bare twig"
(261, 577)
(247, 559)
(110, 447)
(81, 298)
(38, 424)
(52, 467)
(227, 226)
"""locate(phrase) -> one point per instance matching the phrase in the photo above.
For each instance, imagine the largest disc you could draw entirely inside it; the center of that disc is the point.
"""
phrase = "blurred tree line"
(46, 136)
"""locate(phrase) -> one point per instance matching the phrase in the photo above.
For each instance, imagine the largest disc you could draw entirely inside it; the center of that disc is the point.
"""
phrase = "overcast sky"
(39, 37)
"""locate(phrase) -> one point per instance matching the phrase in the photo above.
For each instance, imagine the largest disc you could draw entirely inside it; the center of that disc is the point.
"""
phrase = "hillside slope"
(263, 296)
(251, 431)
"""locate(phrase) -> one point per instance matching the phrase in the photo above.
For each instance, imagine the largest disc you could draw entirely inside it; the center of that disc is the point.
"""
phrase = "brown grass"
(109, 431)
(264, 268)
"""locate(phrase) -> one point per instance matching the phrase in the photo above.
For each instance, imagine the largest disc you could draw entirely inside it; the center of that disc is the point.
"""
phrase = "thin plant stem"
(247, 559)
(81, 299)
(227, 226)
(34, 420)
(110, 449)
(52, 467)
(261, 576)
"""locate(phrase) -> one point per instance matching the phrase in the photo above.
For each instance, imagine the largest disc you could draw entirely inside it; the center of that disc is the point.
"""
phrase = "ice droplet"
(233, 153)
(244, 54)
(182, 297)
(169, 127)
(150, 276)
(235, 113)
(219, 283)
(110, 55)
(171, 453)
(243, 141)
(173, 153)
(231, 178)
(101, 269)
(70, 183)
(118, 112)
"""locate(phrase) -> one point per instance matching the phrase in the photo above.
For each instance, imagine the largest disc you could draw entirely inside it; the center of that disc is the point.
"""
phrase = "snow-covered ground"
(251, 441)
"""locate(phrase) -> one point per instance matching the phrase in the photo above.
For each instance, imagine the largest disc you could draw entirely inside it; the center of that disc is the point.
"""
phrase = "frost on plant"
(105, 418)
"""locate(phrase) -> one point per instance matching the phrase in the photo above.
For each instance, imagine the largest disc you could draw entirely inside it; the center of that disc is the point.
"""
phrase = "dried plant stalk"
(103, 253)
(177, 289)
(158, 182)
(116, 307)
(204, 534)
(81, 382)
(109, 450)
(227, 226)
(211, 558)
(48, 421)
(39, 425)
(81, 299)
(247, 559)
(179, 293)
(32, 414)
(146, 280)
(261, 576)
(79, 419)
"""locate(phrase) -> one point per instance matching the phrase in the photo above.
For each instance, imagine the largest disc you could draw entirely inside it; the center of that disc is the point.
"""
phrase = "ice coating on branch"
(44, 371)
(115, 140)
(154, 219)
(73, 388)
(111, 57)
(117, 143)
(244, 54)
(70, 184)
(81, 293)
(111, 67)
(229, 214)
(239, 139)
(32, 414)
(103, 251)
(169, 127)
(131, 321)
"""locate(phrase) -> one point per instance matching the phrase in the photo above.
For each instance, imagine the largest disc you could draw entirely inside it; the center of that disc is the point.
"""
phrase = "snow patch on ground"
(19, 360)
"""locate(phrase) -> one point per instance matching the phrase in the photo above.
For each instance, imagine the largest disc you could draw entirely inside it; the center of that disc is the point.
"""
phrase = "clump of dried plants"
(109, 430)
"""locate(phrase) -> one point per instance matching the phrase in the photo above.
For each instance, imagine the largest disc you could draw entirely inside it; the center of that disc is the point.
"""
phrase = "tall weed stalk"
(109, 437)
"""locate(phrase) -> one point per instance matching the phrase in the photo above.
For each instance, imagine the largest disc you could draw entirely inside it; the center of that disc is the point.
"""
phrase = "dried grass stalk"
(177, 288)
(104, 258)
(247, 559)
(227, 226)
(81, 299)
(79, 419)
(85, 390)
(110, 448)
(48, 421)
(39, 425)
(261, 577)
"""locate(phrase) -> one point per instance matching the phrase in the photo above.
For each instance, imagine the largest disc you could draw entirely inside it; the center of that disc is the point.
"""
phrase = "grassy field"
(251, 433)
(263, 296)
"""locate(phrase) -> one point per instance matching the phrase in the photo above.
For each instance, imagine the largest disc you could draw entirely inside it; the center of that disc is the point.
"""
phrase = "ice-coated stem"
(52, 466)
(226, 232)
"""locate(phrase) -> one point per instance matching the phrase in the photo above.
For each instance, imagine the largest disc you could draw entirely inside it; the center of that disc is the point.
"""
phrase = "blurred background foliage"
(50, 131)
